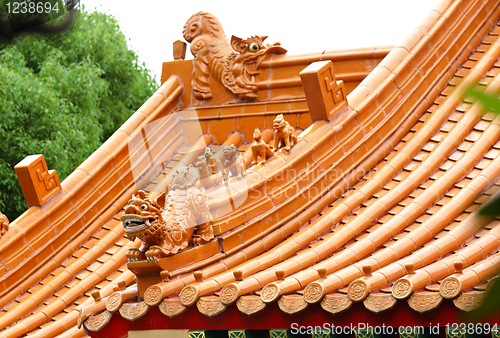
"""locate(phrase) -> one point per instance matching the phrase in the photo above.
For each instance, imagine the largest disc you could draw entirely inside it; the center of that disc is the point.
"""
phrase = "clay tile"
(459, 265)
(280, 274)
(198, 276)
(410, 268)
(238, 275)
(367, 270)
(96, 295)
(165, 275)
(322, 273)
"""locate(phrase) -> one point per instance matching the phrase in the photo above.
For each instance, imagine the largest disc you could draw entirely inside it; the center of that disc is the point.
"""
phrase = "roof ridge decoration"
(37, 181)
(166, 225)
(235, 64)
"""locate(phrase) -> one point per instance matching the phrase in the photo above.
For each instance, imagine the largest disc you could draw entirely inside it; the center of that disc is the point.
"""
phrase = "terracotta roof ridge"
(335, 55)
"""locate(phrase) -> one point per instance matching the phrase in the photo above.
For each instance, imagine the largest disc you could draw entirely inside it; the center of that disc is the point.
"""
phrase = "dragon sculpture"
(235, 64)
(169, 222)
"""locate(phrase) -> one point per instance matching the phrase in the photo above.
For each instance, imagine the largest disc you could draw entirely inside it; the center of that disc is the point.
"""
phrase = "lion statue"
(234, 64)
(283, 134)
(170, 222)
(233, 162)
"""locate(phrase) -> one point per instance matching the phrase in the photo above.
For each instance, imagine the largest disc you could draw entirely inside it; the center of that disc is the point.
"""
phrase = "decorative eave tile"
(96, 322)
(292, 303)
(424, 301)
(250, 304)
(378, 302)
(210, 306)
(171, 307)
(336, 302)
(133, 311)
(468, 301)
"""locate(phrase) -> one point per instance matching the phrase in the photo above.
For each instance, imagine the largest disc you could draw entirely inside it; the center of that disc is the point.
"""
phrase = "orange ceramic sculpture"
(233, 163)
(234, 64)
(167, 223)
(210, 169)
(283, 134)
(4, 224)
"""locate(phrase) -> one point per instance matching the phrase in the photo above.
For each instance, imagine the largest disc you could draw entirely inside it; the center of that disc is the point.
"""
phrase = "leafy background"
(63, 95)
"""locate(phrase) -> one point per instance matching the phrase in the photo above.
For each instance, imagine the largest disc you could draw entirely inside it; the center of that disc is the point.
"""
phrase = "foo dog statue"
(260, 148)
(233, 163)
(283, 134)
(234, 64)
(169, 222)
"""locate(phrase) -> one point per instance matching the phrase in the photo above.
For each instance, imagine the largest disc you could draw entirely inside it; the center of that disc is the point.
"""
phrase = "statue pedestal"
(147, 274)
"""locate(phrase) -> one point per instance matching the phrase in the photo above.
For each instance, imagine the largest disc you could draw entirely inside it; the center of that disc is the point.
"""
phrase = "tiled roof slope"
(416, 159)
(395, 208)
(74, 244)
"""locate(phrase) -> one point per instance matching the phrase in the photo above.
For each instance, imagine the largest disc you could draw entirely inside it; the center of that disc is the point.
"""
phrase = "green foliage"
(63, 96)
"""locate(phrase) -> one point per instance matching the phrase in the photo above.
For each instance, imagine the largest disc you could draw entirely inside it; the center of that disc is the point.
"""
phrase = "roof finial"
(96, 295)
(238, 275)
(367, 270)
(198, 276)
(280, 274)
(410, 268)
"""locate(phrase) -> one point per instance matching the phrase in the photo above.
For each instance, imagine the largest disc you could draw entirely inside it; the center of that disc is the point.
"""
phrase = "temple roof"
(378, 205)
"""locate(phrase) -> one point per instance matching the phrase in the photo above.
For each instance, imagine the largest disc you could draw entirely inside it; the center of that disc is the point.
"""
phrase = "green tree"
(63, 95)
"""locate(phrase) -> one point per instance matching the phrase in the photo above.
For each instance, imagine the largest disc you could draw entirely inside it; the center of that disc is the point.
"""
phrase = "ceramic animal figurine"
(233, 163)
(210, 168)
(170, 222)
(260, 149)
(284, 135)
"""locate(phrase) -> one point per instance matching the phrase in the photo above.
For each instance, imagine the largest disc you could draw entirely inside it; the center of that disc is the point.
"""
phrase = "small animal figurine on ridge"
(283, 134)
(233, 163)
(260, 148)
(170, 222)
(210, 169)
